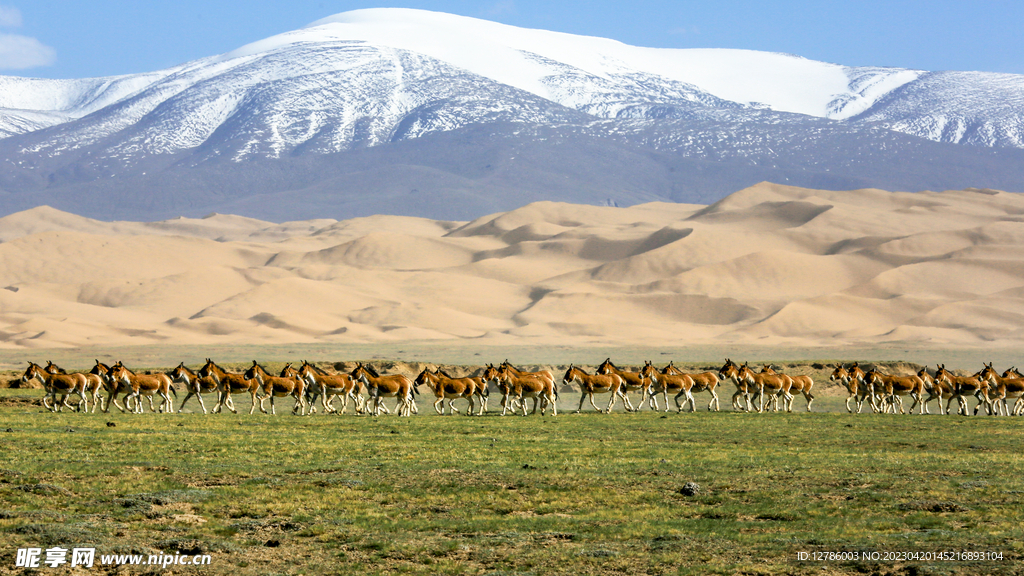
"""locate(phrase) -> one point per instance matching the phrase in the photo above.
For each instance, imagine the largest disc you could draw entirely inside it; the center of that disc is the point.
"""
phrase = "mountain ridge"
(379, 78)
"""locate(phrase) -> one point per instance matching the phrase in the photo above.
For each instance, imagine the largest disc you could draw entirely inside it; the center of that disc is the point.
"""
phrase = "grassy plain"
(572, 494)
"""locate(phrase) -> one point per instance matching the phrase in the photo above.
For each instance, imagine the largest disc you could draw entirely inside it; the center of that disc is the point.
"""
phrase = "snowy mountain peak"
(509, 55)
(368, 77)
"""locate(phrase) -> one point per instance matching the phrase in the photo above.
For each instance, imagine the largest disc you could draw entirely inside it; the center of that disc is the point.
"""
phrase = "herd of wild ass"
(367, 389)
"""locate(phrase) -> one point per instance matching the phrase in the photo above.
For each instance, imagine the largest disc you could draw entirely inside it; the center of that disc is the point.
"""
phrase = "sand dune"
(768, 265)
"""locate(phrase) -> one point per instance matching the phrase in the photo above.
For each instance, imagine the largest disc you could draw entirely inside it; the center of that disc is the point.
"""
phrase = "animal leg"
(627, 404)
(185, 401)
(610, 403)
(201, 404)
(583, 397)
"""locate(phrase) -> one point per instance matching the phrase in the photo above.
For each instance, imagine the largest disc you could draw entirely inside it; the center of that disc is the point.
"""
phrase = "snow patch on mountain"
(369, 77)
(978, 108)
(507, 54)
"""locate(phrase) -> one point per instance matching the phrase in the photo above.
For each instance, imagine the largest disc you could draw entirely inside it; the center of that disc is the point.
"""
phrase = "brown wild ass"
(94, 385)
(328, 386)
(278, 386)
(702, 382)
(965, 386)
(938, 391)
(228, 382)
(765, 384)
(147, 385)
(195, 385)
(800, 383)
(113, 389)
(680, 384)
(595, 384)
(102, 371)
(53, 384)
(545, 374)
(446, 387)
(632, 382)
(731, 371)
(857, 389)
(52, 368)
(392, 386)
(540, 389)
(891, 388)
(508, 400)
(1001, 388)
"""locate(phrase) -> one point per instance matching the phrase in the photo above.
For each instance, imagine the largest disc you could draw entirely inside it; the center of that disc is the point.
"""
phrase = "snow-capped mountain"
(373, 78)
(978, 108)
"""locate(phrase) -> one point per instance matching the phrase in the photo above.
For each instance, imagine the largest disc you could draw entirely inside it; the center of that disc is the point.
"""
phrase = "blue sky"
(62, 39)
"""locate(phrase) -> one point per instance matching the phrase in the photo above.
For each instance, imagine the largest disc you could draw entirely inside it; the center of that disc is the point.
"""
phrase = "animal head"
(182, 373)
(840, 374)
(744, 373)
(33, 371)
(289, 371)
(873, 376)
(571, 374)
(54, 369)
(209, 369)
(856, 371)
(988, 373)
(729, 370)
(490, 373)
(424, 378)
(648, 371)
(1012, 372)
(307, 372)
(100, 369)
(118, 372)
(607, 367)
(255, 371)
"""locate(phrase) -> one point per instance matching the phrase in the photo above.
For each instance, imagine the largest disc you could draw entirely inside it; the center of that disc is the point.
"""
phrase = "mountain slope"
(241, 130)
(977, 108)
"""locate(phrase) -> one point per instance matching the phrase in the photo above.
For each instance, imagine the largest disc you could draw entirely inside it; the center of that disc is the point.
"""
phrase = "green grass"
(576, 494)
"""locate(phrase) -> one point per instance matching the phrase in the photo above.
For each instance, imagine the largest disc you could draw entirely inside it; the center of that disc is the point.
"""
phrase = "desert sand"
(770, 265)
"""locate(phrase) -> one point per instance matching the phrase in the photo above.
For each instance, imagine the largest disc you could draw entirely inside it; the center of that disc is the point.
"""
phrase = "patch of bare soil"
(15, 401)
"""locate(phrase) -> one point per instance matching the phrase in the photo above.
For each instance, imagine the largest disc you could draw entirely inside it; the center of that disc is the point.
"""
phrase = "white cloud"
(19, 52)
(10, 17)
